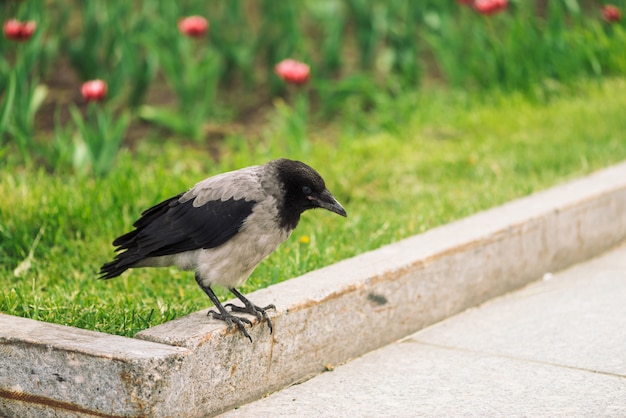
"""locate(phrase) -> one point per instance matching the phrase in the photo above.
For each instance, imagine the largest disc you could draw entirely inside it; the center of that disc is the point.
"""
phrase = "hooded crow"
(223, 227)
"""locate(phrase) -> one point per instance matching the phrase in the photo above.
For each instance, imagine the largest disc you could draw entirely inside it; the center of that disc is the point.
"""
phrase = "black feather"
(173, 227)
(293, 176)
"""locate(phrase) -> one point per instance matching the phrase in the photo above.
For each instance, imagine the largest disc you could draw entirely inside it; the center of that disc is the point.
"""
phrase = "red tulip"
(19, 31)
(193, 26)
(94, 90)
(292, 71)
(490, 7)
(611, 13)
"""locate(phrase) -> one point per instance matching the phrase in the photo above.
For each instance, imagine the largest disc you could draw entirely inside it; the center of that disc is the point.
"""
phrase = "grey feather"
(241, 184)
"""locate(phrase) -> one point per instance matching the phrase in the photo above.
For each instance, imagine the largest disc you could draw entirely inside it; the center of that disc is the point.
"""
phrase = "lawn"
(419, 160)
(416, 114)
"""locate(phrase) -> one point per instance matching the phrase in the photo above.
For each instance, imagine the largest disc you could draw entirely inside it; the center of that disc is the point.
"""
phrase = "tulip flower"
(19, 31)
(296, 73)
(611, 13)
(293, 72)
(193, 26)
(94, 90)
(490, 7)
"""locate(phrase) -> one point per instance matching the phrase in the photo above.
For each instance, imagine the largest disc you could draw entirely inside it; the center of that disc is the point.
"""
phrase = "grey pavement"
(554, 348)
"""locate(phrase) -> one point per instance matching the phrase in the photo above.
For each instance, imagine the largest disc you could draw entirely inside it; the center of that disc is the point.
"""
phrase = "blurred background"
(220, 80)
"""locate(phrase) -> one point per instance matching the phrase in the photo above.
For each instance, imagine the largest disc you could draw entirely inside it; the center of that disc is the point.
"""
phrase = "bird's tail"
(123, 260)
(128, 251)
(119, 265)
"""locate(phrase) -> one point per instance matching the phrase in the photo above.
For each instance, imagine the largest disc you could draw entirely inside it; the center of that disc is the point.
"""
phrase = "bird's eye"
(307, 190)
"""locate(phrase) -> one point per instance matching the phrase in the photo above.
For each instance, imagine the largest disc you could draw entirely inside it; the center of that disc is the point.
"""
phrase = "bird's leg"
(223, 314)
(251, 308)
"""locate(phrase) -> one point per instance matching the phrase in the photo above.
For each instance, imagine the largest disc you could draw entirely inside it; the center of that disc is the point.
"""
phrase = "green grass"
(419, 161)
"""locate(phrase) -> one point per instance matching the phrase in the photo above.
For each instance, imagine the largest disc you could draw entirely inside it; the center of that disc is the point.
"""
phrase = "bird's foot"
(260, 313)
(232, 319)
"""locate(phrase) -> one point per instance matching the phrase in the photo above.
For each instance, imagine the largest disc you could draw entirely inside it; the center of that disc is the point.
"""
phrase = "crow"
(223, 227)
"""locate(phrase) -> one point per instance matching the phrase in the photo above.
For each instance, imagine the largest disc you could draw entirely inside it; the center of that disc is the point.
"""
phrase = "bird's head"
(303, 189)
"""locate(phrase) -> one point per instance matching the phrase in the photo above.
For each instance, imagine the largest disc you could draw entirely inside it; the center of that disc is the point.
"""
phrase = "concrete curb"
(194, 366)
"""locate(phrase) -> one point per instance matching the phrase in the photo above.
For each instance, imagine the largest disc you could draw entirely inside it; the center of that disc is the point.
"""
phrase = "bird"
(222, 228)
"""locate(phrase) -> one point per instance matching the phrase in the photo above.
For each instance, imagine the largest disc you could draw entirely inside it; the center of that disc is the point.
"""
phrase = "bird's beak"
(327, 201)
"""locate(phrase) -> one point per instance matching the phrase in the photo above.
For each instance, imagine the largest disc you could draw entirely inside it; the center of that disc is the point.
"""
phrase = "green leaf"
(7, 105)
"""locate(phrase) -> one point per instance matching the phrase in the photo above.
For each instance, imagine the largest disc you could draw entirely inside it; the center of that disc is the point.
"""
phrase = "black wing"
(173, 227)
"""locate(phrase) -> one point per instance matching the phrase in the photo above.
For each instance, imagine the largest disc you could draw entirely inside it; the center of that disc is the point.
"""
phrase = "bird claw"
(232, 319)
(260, 313)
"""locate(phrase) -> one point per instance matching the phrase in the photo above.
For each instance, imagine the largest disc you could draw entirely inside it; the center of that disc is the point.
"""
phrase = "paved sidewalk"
(555, 348)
